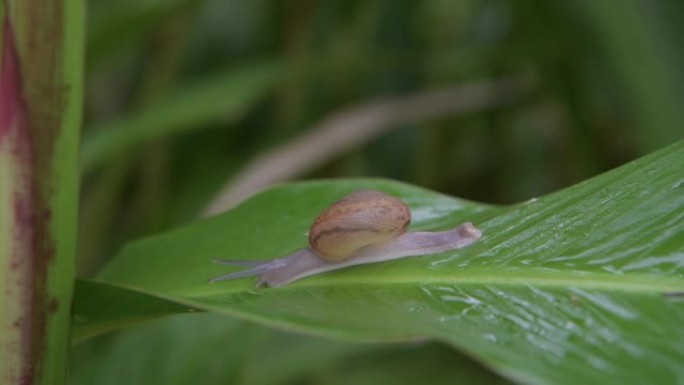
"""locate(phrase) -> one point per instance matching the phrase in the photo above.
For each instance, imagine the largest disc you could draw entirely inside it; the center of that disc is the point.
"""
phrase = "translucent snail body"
(365, 226)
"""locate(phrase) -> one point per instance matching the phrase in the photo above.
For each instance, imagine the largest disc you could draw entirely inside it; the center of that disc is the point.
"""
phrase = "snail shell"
(360, 219)
(364, 227)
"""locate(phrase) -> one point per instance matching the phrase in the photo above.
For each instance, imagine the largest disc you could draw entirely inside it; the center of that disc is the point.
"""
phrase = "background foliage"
(182, 95)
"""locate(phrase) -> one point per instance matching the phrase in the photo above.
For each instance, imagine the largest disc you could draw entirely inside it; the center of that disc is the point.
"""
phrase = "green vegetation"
(220, 128)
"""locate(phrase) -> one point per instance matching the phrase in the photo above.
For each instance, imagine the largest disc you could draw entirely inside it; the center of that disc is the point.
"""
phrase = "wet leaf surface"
(580, 286)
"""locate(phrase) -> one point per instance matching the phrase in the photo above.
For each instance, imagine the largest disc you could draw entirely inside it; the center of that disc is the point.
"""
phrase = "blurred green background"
(186, 97)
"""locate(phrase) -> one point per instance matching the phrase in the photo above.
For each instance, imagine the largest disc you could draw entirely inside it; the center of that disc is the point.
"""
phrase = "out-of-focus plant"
(40, 113)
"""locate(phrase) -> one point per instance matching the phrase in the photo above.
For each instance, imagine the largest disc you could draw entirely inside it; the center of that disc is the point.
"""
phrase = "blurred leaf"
(107, 40)
(210, 349)
(124, 307)
(629, 34)
(581, 286)
(225, 96)
(176, 350)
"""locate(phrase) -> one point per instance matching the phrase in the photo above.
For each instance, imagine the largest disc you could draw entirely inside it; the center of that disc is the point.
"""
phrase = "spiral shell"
(360, 219)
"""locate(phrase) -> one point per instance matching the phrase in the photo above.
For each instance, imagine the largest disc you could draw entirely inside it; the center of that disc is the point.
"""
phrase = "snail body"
(365, 226)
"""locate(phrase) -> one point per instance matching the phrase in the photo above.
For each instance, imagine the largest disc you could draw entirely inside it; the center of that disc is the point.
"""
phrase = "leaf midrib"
(604, 282)
(637, 284)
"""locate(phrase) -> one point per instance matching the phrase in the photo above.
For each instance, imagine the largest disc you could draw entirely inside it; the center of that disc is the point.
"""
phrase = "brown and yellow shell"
(360, 219)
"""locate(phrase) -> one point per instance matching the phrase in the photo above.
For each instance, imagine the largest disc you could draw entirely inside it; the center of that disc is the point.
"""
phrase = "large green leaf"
(210, 349)
(581, 286)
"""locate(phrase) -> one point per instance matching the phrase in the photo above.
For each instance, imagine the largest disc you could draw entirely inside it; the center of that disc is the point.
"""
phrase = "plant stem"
(40, 116)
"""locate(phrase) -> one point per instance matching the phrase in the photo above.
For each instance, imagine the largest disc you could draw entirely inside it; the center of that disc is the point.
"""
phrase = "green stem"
(40, 111)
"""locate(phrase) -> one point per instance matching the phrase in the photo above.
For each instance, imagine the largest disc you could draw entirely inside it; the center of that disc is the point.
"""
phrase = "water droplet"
(437, 263)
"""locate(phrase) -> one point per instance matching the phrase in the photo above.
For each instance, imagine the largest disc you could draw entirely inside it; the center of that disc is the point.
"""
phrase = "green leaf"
(209, 349)
(632, 39)
(581, 286)
(226, 95)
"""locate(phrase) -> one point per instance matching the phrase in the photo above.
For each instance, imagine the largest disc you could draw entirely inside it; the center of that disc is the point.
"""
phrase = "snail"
(365, 226)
